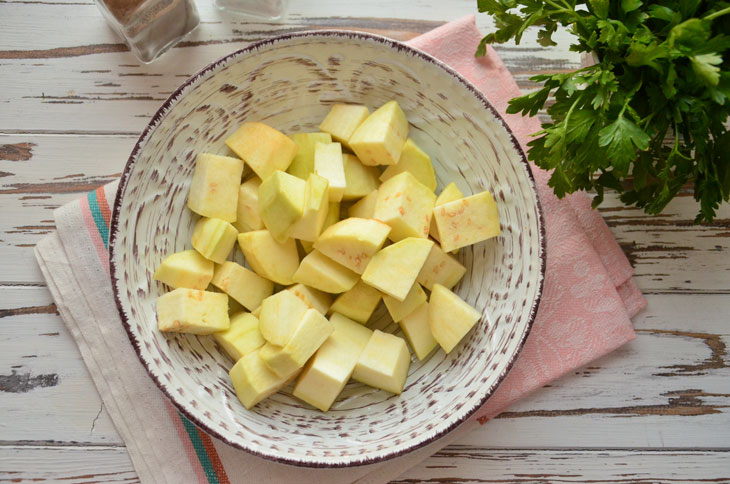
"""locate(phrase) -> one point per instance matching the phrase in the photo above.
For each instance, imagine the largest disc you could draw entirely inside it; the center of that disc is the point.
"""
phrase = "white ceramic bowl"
(289, 82)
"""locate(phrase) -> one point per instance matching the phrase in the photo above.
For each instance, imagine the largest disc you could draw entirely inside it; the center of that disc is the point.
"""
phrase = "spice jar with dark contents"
(150, 27)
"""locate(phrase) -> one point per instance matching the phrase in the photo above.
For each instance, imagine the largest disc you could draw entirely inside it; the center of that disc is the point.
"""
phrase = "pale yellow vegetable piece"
(253, 381)
(342, 120)
(467, 221)
(358, 303)
(192, 311)
(394, 269)
(303, 163)
(383, 362)
(361, 179)
(214, 187)
(263, 148)
(280, 315)
(311, 332)
(242, 337)
(268, 258)
(328, 371)
(415, 161)
(365, 207)
(440, 268)
(243, 285)
(380, 138)
(406, 205)
(316, 207)
(214, 238)
(400, 309)
(320, 272)
(333, 215)
(449, 317)
(185, 269)
(450, 193)
(248, 217)
(321, 301)
(353, 242)
(281, 203)
(418, 332)
(328, 163)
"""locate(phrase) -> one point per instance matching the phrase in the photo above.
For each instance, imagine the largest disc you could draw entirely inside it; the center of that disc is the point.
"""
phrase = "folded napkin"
(588, 300)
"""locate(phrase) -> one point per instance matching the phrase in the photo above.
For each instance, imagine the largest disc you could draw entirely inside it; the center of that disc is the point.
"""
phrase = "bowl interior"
(289, 83)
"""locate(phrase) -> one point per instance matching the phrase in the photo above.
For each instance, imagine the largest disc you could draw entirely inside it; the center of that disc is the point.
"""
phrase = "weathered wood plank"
(667, 388)
(457, 463)
(46, 392)
(116, 93)
(39, 173)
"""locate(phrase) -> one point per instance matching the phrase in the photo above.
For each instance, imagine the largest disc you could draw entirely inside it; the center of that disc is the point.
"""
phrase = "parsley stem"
(719, 13)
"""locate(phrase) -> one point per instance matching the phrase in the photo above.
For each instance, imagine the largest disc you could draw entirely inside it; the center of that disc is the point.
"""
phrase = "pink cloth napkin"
(588, 300)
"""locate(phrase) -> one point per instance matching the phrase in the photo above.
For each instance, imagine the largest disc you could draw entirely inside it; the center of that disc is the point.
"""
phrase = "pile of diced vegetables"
(301, 311)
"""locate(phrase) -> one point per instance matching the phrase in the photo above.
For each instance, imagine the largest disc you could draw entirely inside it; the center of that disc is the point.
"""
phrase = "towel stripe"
(97, 216)
(101, 223)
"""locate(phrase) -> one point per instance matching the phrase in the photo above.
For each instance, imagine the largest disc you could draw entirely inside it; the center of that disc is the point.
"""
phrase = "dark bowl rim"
(162, 112)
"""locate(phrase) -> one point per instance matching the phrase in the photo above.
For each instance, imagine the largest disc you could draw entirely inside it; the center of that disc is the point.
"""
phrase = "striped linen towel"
(587, 305)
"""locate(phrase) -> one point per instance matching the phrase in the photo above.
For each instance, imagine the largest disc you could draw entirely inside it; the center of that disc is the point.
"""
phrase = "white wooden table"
(73, 100)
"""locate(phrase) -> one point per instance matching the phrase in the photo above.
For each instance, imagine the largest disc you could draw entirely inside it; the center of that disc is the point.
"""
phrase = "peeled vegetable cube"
(415, 161)
(467, 221)
(248, 217)
(361, 179)
(253, 381)
(242, 337)
(383, 363)
(192, 311)
(400, 309)
(281, 203)
(333, 215)
(263, 148)
(406, 205)
(394, 269)
(343, 119)
(328, 164)
(418, 332)
(321, 301)
(358, 303)
(450, 193)
(440, 268)
(243, 285)
(303, 163)
(449, 317)
(185, 269)
(214, 238)
(320, 272)
(214, 188)
(365, 207)
(352, 242)
(380, 138)
(280, 315)
(311, 332)
(328, 371)
(316, 207)
(268, 258)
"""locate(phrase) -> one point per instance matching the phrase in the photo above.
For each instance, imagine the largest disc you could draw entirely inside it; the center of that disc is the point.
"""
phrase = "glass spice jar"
(150, 27)
(261, 9)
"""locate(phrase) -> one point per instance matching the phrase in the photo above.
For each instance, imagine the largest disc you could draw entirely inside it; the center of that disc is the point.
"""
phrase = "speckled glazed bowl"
(289, 82)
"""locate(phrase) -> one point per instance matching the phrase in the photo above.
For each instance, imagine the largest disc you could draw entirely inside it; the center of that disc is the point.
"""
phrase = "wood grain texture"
(474, 465)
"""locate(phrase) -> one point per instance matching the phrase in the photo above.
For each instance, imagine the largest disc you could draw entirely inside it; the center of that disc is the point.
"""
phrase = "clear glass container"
(261, 9)
(150, 27)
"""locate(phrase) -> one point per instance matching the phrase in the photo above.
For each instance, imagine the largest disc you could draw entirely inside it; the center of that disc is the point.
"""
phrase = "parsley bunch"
(650, 116)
